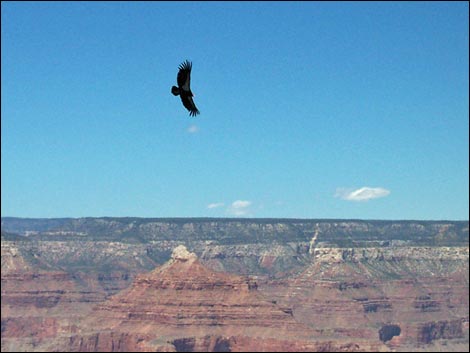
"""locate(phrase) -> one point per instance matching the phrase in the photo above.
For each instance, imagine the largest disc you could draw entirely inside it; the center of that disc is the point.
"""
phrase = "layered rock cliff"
(184, 306)
(251, 246)
(351, 284)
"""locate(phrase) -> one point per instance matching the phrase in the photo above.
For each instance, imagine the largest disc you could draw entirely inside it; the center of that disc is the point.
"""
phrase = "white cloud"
(215, 205)
(363, 194)
(193, 129)
(239, 208)
(241, 204)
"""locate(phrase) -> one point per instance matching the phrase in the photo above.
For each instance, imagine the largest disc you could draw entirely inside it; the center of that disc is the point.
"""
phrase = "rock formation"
(182, 305)
(111, 284)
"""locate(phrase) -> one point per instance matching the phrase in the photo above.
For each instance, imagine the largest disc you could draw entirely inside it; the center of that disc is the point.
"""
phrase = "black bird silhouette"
(183, 89)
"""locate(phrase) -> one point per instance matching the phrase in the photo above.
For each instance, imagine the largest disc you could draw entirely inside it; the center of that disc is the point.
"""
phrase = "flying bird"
(183, 89)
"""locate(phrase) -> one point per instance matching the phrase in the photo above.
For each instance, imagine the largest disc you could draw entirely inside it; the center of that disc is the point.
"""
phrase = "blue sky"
(308, 110)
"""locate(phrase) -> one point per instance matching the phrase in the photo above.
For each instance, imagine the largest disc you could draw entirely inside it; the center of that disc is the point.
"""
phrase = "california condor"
(183, 89)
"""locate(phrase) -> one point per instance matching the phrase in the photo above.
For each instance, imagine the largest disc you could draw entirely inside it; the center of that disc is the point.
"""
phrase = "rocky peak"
(180, 253)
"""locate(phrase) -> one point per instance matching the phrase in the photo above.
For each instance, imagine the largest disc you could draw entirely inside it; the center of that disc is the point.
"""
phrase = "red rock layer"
(362, 299)
(184, 306)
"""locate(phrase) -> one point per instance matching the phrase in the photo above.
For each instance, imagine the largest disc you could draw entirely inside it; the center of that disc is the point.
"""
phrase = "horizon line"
(203, 218)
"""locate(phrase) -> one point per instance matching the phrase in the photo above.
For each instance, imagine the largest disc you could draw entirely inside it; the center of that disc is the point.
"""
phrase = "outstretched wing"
(184, 79)
(189, 104)
(184, 75)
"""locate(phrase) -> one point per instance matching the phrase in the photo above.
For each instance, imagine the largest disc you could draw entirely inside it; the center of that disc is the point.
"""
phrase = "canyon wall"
(344, 284)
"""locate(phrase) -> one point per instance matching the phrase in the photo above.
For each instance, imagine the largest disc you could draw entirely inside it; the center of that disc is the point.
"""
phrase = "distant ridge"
(335, 232)
(230, 219)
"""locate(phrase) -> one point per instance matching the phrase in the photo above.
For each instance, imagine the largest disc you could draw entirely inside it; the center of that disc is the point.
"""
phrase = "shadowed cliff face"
(349, 284)
(387, 332)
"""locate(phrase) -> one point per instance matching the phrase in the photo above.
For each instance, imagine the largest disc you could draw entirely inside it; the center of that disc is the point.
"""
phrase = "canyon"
(184, 284)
